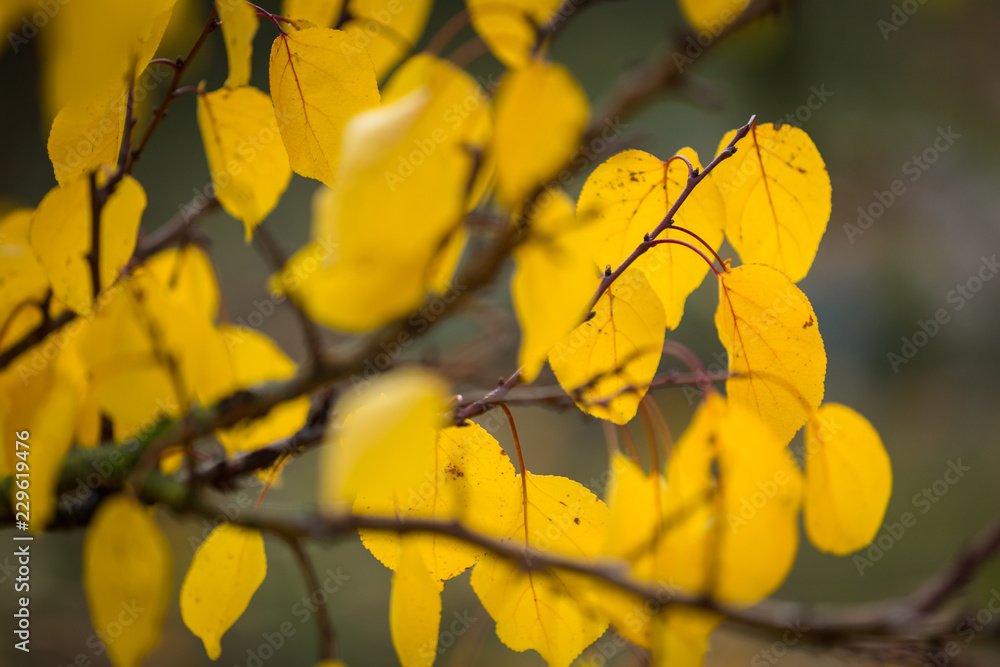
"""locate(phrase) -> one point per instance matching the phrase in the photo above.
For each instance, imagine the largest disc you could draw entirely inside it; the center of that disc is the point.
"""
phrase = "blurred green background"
(889, 95)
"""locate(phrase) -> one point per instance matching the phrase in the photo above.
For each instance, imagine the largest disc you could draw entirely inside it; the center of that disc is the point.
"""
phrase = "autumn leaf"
(23, 281)
(681, 637)
(414, 608)
(737, 535)
(510, 27)
(95, 44)
(472, 481)
(257, 360)
(541, 112)
(239, 25)
(769, 329)
(45, 402)
(384, 437)
(247, 160)
(848, 480)
(316, 89)
(61, 235)
(628, 196)
(552, 612)
(712, 16)
(607, 362)
(553, 280)
(227, 569)
(87, 133)
(399, 202)
(127, 572)
(637, 513)
(777, 196)
(187, 271)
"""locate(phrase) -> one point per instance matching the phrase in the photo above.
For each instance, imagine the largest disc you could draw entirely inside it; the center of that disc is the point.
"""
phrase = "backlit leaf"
(414, 609)
(316, 89)
(188, 272)
(61, 236)
(239, 25)
(630, 195)
(226, 571)
(769, 329)
(553, 281)
(399, 201)
(737, 534)
(385, 438)
(848, 480)
(510, 27)
(550, 612)
(248, 162)
(777, 196)
(541, 112)
(127, 572)
(472, 481)
(611, 358)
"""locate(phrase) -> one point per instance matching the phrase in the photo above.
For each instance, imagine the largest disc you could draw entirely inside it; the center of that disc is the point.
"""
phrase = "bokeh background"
(888, 96)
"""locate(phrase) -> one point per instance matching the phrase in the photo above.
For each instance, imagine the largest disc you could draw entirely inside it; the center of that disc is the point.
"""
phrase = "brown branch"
(161, 111)
(327, 638)
(276, 257)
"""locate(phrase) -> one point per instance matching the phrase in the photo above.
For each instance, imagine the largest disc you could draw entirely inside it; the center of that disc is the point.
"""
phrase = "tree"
(117, 364)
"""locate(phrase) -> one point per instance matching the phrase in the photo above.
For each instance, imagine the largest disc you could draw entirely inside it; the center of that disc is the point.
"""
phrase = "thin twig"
(327, 637)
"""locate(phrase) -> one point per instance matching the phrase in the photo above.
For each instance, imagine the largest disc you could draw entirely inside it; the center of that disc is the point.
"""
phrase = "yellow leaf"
(848, 480)
(681, 637)
(248, 162)
(414, 609)
(777, 195)
(239, 25)
(510, 27)
(187, 272)
(541, 112)
(94, 44)
(614, 355)
(630, 195)
(769, 329)
(127, 573)
(22, 279)
(319, 12)
(317, 88)
(399, 201)
(257, 360)
(553, 281)
(384, 440)
(712, 16)
(61, 235)
(736, 536)
(551, 612)
(636, 512)
(44, 401)
(226, 571)
(387, 29)
(472, 481)
(87, 133)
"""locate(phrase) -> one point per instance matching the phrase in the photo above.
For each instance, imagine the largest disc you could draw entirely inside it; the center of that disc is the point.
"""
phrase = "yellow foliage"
(127, 570)
(769, 329)
(227, 569)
